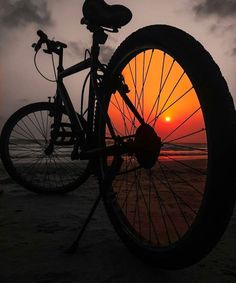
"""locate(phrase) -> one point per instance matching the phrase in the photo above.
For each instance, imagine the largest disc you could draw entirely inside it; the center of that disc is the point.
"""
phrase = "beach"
(36, 230)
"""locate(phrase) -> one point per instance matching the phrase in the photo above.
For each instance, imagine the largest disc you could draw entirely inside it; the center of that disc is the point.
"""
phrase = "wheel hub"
(147, 146)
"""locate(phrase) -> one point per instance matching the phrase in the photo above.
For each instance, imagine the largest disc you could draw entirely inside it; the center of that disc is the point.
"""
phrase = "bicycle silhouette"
(157, 132)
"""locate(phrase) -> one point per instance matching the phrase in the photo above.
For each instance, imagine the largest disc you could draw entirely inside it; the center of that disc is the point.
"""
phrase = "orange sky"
(178, 100)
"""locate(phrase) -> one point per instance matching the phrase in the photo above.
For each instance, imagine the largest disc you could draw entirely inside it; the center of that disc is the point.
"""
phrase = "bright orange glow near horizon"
(164, 96)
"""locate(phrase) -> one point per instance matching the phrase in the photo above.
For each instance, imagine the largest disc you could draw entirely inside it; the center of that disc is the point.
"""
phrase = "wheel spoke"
(160, 89)
(185, 146)
(163, 206)
(185, 165)
(185, 136)
(179, 126)
(27, 141)
(190, 185)
(160, 92)
(167, 108)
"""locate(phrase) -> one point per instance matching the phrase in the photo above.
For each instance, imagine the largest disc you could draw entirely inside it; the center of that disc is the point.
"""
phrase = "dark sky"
(212, 22)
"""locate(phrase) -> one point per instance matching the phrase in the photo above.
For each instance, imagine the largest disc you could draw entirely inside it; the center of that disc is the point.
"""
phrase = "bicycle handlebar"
(52, 46)
(42, 35)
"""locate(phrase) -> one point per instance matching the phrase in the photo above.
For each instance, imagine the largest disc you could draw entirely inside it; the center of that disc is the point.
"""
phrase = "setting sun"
(167, 119)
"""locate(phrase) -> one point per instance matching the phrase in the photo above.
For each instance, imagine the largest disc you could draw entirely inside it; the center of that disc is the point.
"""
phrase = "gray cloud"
(78, 49)
(106, 53)
(18, 13)
(225, 11)
(222, 8)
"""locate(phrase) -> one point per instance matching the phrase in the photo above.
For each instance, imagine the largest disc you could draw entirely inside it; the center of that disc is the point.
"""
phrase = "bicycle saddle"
(99, 13)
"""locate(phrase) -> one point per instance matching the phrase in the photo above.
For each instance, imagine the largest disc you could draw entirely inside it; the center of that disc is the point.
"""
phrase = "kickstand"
(72, 249)
(109, 177)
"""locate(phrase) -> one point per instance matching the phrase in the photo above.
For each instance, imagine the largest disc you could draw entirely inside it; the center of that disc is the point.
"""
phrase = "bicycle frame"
(62, 96)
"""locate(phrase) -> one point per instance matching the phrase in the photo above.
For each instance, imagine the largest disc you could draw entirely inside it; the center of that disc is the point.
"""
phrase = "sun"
(167, 119)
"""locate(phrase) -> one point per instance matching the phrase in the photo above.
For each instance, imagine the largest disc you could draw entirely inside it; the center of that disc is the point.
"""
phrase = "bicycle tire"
(122, 201)
(24, 139)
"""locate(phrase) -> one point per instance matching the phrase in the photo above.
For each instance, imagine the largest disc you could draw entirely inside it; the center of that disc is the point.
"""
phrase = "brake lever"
(37, 45)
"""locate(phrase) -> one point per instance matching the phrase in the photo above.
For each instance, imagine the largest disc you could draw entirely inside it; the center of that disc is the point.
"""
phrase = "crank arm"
(126, 147)
(102, 151)
(106, 151)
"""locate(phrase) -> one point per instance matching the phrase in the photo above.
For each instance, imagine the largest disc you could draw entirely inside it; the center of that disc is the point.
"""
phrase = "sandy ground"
(36, 230)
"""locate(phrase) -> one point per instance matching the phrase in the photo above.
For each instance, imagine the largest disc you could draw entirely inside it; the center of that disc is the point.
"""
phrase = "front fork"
(57, 116)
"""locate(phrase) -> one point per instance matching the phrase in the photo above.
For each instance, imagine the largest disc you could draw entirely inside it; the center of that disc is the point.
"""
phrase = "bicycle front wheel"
(24, 140)
(173, 195)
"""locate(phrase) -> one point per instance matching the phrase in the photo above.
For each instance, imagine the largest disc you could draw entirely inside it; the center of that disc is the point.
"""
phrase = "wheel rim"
(159, 205)
(28, 141)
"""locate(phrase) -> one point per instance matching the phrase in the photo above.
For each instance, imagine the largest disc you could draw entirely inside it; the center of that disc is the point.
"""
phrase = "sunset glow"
(167, 119)
(164, 96)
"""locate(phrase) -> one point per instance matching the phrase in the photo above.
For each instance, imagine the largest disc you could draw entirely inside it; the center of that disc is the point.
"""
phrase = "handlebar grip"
(42, 35)
(52, 46)
(37, 45)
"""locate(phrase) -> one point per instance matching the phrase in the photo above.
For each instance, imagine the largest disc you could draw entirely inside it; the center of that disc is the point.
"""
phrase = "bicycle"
(158, 133)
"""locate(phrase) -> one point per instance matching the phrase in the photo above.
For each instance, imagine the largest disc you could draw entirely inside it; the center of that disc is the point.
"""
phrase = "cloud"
(78, 49)
(106, 53)
(19, 13)
(222, 8)
(225, 16)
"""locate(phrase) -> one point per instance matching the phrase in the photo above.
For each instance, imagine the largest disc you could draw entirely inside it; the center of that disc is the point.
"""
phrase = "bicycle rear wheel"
(24, 139)
(173, 195)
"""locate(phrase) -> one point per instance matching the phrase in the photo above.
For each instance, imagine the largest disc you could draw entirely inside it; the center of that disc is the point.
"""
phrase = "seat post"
(95, 49)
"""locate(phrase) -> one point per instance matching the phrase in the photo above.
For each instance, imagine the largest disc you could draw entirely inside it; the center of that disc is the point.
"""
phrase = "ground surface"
(36, 230)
